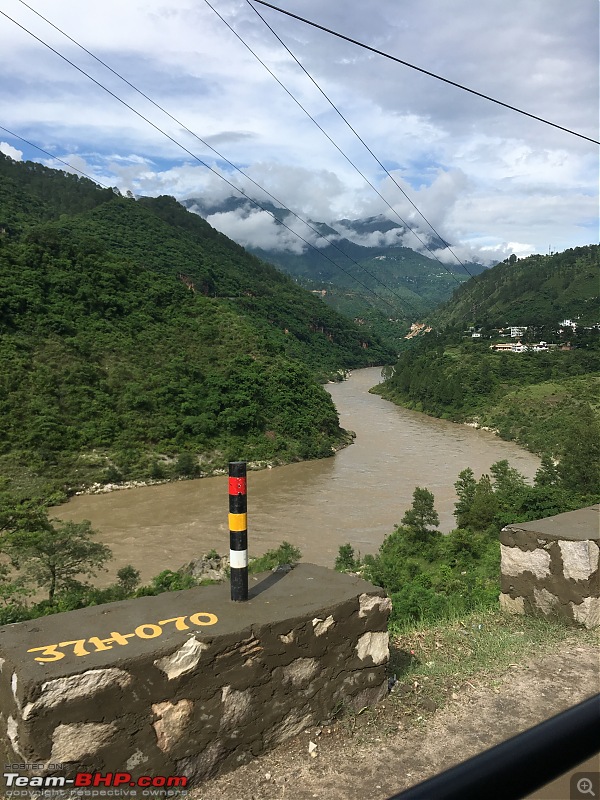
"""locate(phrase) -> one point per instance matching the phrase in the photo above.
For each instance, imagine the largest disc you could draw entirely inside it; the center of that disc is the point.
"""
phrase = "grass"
(435, 663)
(431, 662)
(537, 416)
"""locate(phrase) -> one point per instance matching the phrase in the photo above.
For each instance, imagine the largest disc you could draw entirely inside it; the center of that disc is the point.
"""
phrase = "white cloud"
(488, 179)
(258, 228)
(11, 151)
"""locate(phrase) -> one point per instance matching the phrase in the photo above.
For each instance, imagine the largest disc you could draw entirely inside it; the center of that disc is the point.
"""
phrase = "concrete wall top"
(116, 634)
(580, 525)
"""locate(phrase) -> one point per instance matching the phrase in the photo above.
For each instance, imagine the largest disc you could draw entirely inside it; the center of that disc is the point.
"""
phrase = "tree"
(346, 561)
(579, 466)
(547, 474)
(506, 478)
(19, 514)
(422, 513)
(12, 590)
(485, 505)
(509, 485)
(128, 579)
(53, 555)
(465, 486)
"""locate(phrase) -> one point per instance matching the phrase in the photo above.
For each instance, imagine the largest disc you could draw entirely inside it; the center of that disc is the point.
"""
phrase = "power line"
(53, 157)
(220, 155)
(361, 140)
(337, 147)
(424, 71)
(193, 155)
(66, 163)
(164, 111)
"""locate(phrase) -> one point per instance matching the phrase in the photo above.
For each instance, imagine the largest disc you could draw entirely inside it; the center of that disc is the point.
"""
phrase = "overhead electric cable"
(425, 71)
(337, 147)
(240, 191)
(66, 163)
(360, 139)
(54, 158)
(220, 155)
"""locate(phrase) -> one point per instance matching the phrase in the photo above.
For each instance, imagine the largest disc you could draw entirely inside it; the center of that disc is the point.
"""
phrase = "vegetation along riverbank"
(517, 350)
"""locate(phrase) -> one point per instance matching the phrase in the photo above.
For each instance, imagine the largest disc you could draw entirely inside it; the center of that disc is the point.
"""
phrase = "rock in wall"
(551, 567)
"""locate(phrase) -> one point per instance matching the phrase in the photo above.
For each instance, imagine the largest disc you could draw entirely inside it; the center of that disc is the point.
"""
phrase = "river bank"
(357, 496)
(539, 417)
(252, 466)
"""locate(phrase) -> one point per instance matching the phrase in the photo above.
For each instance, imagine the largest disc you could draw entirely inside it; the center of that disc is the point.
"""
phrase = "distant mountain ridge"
(365, 273)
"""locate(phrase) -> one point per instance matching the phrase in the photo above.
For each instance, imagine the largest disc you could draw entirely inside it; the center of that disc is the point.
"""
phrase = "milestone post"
(238, 531)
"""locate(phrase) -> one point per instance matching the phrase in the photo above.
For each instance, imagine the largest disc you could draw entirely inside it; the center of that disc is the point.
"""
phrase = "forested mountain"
(537, 291)
(363, 273)
(543, 399)
(136, 340)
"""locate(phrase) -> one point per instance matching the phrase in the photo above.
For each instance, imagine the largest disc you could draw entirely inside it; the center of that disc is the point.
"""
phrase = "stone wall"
(189, 683)
(550, 566)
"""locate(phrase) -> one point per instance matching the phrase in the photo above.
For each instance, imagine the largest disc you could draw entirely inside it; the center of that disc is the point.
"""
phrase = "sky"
(489, 180)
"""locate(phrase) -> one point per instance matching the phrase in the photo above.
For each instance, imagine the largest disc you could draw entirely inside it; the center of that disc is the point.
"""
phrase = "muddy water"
(356, 496)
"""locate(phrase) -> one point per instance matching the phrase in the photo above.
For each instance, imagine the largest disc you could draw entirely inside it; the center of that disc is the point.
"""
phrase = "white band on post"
(238, 559)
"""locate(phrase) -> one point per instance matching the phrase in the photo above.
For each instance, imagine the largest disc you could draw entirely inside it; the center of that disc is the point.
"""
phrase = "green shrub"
(286, 553)
(167, 581)
(418, 603)
(186, 465)
(112, 475)
(346, 561)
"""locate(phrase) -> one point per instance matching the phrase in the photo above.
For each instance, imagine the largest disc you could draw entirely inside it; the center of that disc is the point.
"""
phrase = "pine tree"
(465, 486)
(547, 474)
(422, 512)
(485, 505)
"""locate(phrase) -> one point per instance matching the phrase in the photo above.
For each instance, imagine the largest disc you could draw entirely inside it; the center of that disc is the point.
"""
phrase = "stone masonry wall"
(550, 567)
(200, 686)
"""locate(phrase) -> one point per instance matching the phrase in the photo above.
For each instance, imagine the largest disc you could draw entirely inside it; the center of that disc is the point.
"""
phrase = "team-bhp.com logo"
(93, 784)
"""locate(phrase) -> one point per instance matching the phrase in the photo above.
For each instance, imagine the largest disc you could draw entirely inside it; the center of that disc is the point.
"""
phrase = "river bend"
(357, 496)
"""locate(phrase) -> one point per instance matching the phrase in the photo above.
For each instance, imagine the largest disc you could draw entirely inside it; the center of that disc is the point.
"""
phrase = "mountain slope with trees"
(542, 400)
(538, 291)
(136, 341)
(361, 273)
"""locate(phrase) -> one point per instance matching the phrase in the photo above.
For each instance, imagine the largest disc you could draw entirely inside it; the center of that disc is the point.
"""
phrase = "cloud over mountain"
(490, 181)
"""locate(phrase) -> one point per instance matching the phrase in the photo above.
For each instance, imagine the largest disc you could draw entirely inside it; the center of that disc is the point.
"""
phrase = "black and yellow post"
(238, 530)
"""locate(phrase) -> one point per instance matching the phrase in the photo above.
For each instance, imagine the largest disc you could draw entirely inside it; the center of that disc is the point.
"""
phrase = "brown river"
(356, 496)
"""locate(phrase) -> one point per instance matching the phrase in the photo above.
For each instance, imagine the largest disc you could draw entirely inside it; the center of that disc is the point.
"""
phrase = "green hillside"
(136, 341)
(544, 412)
(375, 284)
(538, 290)
(375, 316)
(540, 399)
(422, 281)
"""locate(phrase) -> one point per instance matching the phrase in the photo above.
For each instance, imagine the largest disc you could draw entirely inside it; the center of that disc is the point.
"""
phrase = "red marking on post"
(237, 486)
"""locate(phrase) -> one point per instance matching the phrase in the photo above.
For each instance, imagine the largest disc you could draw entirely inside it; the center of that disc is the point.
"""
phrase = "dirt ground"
(381, 752)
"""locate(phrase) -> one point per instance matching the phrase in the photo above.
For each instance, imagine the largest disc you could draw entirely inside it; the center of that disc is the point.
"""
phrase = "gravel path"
(378, 754)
